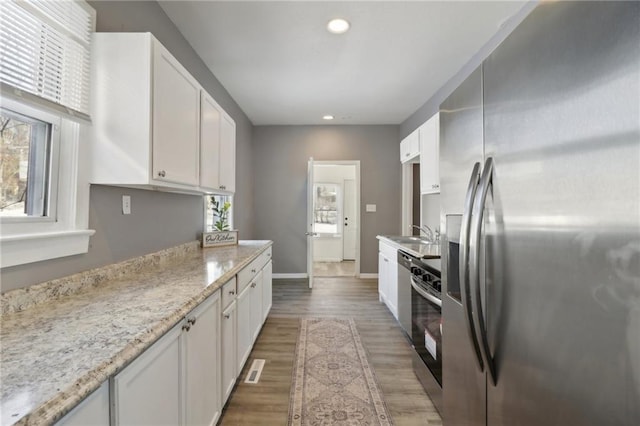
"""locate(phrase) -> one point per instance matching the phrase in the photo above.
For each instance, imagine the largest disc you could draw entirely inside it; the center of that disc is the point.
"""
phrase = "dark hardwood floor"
(267, 403)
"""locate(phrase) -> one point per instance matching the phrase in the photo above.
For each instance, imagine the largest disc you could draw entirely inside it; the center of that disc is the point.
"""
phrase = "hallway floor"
(346, 268)
(267, 403)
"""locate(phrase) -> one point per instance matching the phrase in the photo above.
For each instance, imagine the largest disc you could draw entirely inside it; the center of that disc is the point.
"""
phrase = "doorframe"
(358, 191)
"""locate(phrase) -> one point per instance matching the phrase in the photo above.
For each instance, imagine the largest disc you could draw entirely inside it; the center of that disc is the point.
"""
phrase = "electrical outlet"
(370, 208)
(126, 204)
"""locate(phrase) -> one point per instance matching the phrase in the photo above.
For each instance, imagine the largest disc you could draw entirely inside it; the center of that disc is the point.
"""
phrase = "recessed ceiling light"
(327, 117)
(338, 26)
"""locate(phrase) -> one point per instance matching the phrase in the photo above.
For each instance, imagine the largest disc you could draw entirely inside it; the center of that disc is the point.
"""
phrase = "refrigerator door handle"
(474, 263)
(464, 263)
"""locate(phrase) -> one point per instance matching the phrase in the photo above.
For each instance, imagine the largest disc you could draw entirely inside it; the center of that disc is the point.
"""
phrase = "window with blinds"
(45, 51)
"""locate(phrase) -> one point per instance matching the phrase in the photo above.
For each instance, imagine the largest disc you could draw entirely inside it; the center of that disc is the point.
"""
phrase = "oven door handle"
(430, 297)
(464, 264)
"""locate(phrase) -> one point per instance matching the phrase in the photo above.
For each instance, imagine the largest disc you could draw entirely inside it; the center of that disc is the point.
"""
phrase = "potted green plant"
(220, 235)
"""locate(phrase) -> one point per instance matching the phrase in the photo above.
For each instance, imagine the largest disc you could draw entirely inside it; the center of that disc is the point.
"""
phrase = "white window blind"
(45, 50)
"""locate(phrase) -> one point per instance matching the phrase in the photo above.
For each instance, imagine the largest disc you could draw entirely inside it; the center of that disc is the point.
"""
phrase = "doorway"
(335, 219)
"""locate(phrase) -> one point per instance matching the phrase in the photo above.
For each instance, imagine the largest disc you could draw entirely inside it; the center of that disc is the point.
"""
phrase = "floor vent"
(255, 371)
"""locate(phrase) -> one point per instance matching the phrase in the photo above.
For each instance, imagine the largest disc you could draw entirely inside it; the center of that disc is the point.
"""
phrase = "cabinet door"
(94, 410)
(267, 285)
(228, 154)
(229, 353)
(201, 340)
(383, 266)
(410, 147)
(256, 306)
(210, 123)
(244, 335)
(430, 156)
(176, 121)
(392, 286)
(148, 391)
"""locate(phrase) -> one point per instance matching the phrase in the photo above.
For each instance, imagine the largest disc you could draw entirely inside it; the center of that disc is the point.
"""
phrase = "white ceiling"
(281, 66)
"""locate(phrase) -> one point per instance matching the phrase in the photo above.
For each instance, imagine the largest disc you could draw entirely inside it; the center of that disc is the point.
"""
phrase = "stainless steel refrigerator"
(540, 189)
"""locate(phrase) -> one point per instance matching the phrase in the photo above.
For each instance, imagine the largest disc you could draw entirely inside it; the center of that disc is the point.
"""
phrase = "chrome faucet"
(429, 233)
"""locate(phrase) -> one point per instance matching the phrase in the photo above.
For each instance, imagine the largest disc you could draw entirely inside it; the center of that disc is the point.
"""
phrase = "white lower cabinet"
(177, 380)
(229, 346)
(244, 327)
(383, 282)
(148, 391)
(201, 344)
(388, 277)
(267, 290)
(255, 316)
(253, 305)
(93, 410)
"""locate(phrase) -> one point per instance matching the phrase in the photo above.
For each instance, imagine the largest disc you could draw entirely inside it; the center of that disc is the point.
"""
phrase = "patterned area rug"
(333, 383)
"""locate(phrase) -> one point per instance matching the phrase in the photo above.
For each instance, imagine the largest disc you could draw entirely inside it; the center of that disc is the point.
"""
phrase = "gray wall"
(280, 156)
(158, 220)
(433, 104)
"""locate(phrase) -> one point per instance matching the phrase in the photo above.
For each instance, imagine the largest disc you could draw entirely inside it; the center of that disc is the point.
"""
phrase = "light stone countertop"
(57, 352)
(415, 248)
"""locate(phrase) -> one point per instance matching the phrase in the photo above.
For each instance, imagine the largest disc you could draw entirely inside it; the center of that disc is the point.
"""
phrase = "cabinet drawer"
(246, 275)
(229, 292)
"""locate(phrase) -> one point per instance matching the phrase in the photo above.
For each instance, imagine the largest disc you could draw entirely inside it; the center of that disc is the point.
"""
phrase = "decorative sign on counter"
(219, 238)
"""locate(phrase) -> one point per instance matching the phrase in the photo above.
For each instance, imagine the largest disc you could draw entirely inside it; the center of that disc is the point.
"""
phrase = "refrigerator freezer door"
(563, 243)
(464, 385)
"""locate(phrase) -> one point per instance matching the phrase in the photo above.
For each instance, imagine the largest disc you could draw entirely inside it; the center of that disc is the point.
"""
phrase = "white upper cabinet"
(217, 147)
(429, 155)
(151, 120)
(228, 154)
(210, 129)
(176, 120)
(410, 147)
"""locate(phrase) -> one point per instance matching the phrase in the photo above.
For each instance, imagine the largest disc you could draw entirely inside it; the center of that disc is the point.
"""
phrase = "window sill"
(29, 248)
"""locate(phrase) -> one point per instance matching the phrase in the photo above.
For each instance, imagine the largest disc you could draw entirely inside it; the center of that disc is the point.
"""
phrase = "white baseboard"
(368, 276)
(290, 276)
(328, 260)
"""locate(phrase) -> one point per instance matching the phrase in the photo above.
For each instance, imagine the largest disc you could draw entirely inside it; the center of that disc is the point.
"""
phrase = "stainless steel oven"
(426, 328)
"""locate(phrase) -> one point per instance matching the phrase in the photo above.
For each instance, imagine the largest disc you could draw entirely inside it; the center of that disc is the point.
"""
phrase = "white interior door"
(310, 219)
(350, 224)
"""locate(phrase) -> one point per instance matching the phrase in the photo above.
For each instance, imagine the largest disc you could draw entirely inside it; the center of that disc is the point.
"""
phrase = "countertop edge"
(67, 399)
(406, 248)
(397, 245)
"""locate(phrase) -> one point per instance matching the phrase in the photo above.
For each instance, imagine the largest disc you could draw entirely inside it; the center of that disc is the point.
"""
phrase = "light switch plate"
(126, 204)
(370, 208)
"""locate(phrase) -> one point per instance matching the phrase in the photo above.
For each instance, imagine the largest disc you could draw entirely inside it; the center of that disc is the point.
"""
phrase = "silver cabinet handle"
(310, 234)
(186, 327)
(463, 255)
(223, 187)
(253, 270)
(227, 316)
(192, 321)
(162, 173)
(253, 285)
(232, 292)
(474, 261)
